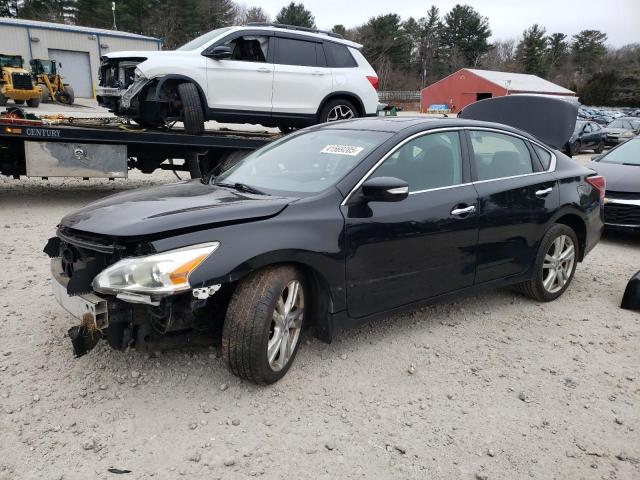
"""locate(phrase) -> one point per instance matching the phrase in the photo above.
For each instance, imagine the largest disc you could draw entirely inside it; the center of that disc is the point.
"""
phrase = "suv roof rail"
(294, 27)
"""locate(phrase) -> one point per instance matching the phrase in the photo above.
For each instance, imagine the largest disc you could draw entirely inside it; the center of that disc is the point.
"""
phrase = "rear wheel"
(555, 264)
(19, 102)
(576, 147)
(262, 328)
(192, 114)
(600, 147)
(338, 109)
(33, 102)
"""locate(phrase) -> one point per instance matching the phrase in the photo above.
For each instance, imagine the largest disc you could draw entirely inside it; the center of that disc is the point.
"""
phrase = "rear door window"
(338, 56)
(296, 52)
(498, 155)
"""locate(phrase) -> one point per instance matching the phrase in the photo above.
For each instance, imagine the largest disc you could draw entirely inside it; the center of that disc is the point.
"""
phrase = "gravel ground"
(493, 386)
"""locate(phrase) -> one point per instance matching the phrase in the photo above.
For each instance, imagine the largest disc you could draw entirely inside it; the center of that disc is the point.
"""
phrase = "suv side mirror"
(220, 52)
(385, 189)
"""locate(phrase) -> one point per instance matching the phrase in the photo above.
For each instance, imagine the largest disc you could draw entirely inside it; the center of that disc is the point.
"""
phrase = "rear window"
(296, 52)
(338, 56)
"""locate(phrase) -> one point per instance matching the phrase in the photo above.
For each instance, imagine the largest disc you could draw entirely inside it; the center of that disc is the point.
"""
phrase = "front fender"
(161, 81)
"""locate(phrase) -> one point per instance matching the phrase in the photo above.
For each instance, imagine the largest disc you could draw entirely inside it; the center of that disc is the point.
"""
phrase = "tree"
(296, 14)
(252, 14)
(588, 48)
(465, 35)
(340, 30)
(429, 45)
(8, 8)
(501, 56)
(532, 50)
(95, 13)
(48, 10)
(557, 48)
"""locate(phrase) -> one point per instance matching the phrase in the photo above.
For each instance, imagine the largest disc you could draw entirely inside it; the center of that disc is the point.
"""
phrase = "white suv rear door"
(244, 81)
(301, 78)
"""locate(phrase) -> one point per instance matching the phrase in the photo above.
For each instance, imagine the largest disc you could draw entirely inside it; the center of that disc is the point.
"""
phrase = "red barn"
(469, 85)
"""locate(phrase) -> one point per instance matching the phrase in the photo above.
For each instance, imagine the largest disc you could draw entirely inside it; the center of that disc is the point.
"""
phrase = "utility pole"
(113, 9)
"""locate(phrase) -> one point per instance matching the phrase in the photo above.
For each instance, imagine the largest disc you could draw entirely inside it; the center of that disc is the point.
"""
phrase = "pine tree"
(8, 8)
(465, 35)
(296, 14)
(588, 48)
(531, 51)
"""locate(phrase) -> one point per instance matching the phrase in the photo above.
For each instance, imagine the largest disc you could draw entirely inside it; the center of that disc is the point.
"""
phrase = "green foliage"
(340, 30)
(296, 14)
(531, 52)
(599, 89)
(588, 48)
(465, 37)
(48, 10)
(557, 50)
(8, 8)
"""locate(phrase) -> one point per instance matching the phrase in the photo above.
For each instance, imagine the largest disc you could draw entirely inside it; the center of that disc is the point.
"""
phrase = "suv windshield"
(14, 61)
(628, 154)
(305, 163)
(203, 39)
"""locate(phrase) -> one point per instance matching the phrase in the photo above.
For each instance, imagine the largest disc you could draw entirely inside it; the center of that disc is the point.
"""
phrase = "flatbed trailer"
(79, 149)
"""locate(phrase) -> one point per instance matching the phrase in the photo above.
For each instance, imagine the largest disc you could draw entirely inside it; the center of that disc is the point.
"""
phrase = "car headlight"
(162, 273)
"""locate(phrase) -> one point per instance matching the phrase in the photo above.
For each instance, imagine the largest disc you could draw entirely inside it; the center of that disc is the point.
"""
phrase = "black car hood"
(167, 208)
(620, 178)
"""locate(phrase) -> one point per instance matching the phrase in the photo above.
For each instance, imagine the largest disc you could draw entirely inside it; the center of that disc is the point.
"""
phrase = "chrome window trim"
(552, 163)
(394, 150)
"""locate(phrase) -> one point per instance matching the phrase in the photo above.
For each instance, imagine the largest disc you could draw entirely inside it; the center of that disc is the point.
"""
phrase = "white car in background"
(271, 74)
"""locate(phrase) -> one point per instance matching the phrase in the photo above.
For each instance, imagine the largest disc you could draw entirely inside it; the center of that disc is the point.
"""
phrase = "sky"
(619, 19)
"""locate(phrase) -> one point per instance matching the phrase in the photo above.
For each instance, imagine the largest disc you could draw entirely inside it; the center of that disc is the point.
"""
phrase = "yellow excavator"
(45, 74)
(16, 83)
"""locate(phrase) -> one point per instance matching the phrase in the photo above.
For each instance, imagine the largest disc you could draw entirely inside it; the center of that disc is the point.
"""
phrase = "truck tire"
(192, 114)
(45, 95)
(19, 102)
(3, 100)
(67, 96)
(33, 102)
(263, 324)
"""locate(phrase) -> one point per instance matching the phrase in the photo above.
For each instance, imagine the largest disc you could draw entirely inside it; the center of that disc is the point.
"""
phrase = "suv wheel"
(555, 264)
(338, 109)
(262, 328)
(192, 114)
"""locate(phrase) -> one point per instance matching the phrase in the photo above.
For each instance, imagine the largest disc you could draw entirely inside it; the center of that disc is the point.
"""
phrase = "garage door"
(75, 69)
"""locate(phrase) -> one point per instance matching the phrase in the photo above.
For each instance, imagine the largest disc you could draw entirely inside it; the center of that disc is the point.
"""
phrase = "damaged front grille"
(118, 72)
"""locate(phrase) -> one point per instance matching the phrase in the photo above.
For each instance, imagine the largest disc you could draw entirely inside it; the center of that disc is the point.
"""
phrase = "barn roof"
(73, 28)
(520, 82)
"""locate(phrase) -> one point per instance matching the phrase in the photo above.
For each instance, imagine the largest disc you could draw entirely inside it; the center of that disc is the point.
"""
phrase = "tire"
(3, 100)
(576, 147)
(67, 96)
(193, 162)
(19, 102)
(192, 114)
(535, 288)
(33, 102)
(250, 325)
(286, 129)
(45, 95)
(599, 148)
(337, 109)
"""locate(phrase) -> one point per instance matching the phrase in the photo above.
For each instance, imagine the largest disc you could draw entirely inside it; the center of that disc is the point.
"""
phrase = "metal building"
(77, 49)
(470, 85)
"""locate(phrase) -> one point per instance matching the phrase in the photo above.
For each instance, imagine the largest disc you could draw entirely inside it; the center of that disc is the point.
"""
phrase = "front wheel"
(192, 114)
(338, 109)
(262, 327)
(67, 96)
(555, 264)
(576, 147)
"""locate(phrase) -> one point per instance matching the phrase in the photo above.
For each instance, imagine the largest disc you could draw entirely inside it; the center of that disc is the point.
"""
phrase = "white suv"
(271, 74)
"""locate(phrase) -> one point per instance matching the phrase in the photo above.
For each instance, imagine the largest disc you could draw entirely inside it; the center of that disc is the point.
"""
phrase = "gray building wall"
(35, 39)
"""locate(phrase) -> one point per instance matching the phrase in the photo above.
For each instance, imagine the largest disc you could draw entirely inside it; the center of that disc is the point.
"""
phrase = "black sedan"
(332, 225)
(587, 136)
(621, 169)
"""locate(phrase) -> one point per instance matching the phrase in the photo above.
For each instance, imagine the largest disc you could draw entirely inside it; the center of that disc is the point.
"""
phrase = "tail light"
(598, 182)
(374, 82)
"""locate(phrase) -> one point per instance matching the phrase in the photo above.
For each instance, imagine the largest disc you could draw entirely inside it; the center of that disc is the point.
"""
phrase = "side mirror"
(220, 52)
(385, 189)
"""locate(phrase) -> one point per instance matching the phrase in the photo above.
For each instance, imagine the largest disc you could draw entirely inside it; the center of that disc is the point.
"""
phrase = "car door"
(245, 80)
(301, 79)
(420, 247)
(517, 197)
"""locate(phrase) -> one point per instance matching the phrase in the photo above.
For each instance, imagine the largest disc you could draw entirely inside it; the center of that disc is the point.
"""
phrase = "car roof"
(398, 124)
(290, 31)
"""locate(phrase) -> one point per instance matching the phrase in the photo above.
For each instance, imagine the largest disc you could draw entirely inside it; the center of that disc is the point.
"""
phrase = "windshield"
(14, 61)
(628, 153)
(197, 43)
(305, 163)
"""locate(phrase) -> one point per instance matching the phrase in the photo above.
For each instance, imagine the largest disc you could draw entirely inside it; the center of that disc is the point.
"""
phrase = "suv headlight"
(162, 273)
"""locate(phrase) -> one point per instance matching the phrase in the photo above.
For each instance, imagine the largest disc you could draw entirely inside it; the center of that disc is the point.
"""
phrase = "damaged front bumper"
(123, 98)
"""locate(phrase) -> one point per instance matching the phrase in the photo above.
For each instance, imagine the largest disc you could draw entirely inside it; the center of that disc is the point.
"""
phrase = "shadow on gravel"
(622, 238)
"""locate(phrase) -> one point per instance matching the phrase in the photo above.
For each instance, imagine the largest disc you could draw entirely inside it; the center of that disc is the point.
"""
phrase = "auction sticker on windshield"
(350, 150)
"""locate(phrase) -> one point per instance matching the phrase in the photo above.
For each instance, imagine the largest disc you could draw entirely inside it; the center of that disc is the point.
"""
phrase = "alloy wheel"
(286, 326)
(340, 112)
(558, 263)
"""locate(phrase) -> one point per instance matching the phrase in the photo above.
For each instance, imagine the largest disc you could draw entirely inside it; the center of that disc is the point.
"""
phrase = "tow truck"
(44, 147)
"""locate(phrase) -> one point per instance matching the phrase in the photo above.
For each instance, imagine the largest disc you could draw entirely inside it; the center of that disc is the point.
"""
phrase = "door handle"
(459, 212)
(544, 192)
(263, 70)
(317, 73)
